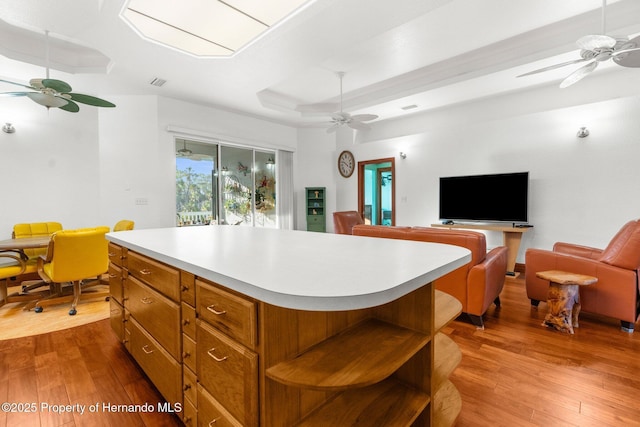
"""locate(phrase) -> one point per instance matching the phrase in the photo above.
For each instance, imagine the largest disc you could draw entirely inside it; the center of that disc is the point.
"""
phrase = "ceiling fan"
(341, 118)
(55, 93)
(599, 48)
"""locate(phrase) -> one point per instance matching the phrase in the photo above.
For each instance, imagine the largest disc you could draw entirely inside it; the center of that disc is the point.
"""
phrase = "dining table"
(18, 245)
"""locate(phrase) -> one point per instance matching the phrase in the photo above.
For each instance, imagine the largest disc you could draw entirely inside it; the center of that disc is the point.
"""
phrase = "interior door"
(376, 191)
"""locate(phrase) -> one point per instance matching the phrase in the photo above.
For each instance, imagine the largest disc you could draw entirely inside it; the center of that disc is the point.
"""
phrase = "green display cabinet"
(316, 212)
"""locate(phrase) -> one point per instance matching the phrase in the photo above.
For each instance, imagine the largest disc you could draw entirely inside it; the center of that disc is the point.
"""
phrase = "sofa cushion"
(624, 249)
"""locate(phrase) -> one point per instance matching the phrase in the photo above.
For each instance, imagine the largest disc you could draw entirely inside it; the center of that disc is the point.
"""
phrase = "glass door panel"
(265, 190)
(195, 183)
(236, 176)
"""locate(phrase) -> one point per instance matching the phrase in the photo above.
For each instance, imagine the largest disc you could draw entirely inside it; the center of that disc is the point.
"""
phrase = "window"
(222, 184)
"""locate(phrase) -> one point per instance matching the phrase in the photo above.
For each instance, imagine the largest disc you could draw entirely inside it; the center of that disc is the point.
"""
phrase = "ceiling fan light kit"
(598, 48)
(53, 93)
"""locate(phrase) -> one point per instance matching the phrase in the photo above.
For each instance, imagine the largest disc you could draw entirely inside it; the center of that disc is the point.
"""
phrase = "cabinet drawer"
(189, 352)
(116, 316)
(115, 282)
(160, 367)
(229, 371)
(189, 383)
(189, 414)
(189, 320)
(211, 413)
(156, 313)
(188, 288)
(229, 313)
(116, 254)
(161, 277)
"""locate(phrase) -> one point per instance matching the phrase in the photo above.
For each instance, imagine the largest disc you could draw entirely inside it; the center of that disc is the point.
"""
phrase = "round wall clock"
(346, 163)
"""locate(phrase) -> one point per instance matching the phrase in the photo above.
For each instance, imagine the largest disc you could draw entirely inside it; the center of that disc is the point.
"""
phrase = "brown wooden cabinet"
(232, 360)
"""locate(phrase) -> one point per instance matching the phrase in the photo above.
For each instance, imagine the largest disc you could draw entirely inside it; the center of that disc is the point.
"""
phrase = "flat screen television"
(491, 198)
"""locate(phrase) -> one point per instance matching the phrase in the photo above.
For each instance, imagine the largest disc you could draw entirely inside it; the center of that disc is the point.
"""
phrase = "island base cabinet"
(156, 362)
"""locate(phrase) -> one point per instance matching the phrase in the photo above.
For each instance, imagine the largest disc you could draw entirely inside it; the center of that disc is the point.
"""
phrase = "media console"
(511, 236)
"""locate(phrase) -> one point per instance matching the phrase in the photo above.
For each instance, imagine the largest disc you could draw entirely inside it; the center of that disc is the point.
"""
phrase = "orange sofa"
(617, 267)
(477, 284)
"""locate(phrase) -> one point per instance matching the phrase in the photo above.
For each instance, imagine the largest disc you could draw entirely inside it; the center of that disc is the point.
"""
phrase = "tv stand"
(511, 236)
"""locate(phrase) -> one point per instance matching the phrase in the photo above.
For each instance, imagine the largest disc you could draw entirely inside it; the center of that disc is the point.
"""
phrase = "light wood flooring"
(519, 373)
(514, 373)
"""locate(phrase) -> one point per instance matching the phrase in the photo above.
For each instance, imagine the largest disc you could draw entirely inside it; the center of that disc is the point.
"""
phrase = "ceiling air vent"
(409, 107)
(157, 81)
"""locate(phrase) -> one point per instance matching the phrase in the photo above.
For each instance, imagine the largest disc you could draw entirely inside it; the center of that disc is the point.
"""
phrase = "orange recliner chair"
(617, 267)
(344, 221)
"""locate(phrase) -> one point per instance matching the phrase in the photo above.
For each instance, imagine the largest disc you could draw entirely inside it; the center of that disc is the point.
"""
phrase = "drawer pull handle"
(112, 254)
(185, 288)
(186, 355)
(115, 311)
(185, 322)
(212, 308)
(215, 420)
(146, 349)
(213, 356)
(112, 276)
(146, 300)
(186, 387)
(145, 271)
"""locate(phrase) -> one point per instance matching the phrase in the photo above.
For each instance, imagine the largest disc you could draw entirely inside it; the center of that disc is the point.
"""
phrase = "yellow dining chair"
(74, 256)
(123, 225)
(34, 229)
(8, 269)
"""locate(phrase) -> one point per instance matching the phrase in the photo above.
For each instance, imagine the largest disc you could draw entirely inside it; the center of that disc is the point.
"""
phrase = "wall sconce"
(583, 132)
(8, 128)
(403, 155)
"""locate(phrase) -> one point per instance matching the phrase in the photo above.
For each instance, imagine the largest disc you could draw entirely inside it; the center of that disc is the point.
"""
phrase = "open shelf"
(447, 404)
(387, 403)
(360, 356)
(447, 308)
(447, 358)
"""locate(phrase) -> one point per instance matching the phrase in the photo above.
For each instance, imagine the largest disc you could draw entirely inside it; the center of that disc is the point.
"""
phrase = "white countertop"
(298, 269)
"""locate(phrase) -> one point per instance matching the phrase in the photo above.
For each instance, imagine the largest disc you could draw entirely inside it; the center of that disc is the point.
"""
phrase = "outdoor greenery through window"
(218, 184)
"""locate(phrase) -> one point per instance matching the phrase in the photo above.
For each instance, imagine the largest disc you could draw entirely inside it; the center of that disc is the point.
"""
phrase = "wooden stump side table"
(563, 299)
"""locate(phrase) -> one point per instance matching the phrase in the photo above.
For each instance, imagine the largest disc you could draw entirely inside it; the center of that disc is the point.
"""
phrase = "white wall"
(49, 166)
(581, 190)
(89, 168)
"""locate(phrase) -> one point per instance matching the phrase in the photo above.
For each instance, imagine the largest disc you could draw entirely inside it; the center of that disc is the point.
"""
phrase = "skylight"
(206, 28)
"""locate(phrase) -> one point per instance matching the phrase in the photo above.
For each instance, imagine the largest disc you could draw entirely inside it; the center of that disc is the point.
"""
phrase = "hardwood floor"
(517, 372)
(85, 365)
(514, 373)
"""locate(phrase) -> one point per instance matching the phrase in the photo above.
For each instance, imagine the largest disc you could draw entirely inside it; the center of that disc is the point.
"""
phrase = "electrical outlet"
(142, 201)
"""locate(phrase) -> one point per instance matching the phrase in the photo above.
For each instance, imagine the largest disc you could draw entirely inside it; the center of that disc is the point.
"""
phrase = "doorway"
(376, 191)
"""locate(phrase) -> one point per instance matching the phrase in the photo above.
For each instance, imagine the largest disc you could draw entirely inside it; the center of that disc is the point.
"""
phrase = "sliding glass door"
(222, 184)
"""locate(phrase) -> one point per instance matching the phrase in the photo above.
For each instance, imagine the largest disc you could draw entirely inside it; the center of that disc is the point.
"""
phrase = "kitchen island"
(250, 326)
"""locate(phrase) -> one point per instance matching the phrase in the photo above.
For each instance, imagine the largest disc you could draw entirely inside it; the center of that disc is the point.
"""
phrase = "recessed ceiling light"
(206, 28)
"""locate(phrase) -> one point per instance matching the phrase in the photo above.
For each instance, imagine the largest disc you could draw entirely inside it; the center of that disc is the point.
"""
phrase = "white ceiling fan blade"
(553, 67)
(14, 93)
(628, 55)
(47, 100)
(358, 125)
(364, 117)
(596, 41)
(629, 59)
(579, 74)
(333, 128)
